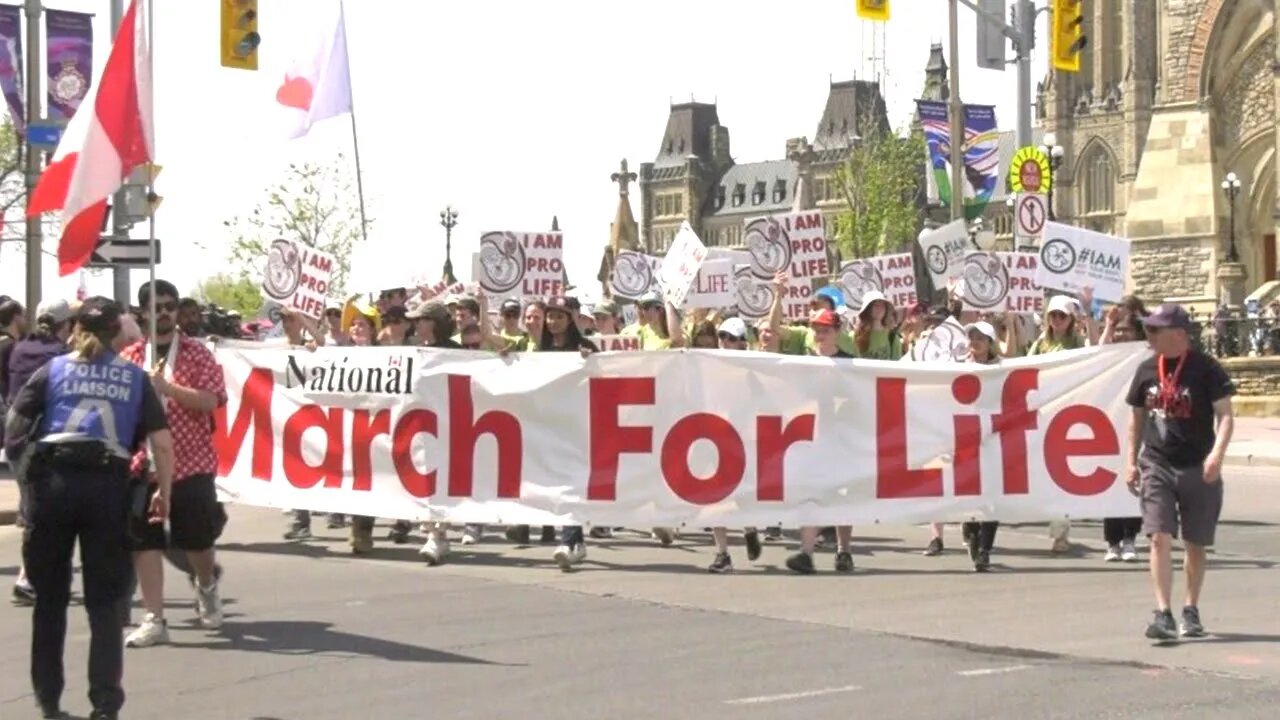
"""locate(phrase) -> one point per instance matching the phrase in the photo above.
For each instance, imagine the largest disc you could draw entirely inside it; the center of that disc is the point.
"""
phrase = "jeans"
(1118, 530)
(62, 507)
(984, 531)
(571, 535)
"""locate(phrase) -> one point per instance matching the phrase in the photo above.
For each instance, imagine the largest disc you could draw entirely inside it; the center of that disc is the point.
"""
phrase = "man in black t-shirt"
(1181, 422)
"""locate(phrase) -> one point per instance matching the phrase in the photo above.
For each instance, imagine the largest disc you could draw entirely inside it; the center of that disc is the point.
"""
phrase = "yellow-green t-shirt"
(1047, 345)
(800, 341)
(519, 341)
(651, 340)
(882, 345)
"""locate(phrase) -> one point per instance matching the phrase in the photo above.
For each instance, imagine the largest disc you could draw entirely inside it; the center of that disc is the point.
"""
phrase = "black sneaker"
(518, 534)
(773, 534)
(548, 535)
(24, 595)
(722, 564)
(844, 562)
(934, 549)
(753, 545)
(801, 562)
(103, 715)
(982, 562)
(50, 710)
(337, 521)
(1191, 626)
(1162, 626)
(399, 532)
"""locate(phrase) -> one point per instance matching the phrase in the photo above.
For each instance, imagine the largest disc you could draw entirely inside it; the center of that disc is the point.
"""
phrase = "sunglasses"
(167, 307)
(333, 313)
(727, 337)
(1057, 315)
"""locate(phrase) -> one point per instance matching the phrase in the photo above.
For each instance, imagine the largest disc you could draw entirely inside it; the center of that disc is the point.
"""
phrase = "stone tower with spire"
(624, 233)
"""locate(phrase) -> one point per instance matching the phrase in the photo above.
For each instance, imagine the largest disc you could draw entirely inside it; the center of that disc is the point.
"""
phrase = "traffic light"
(240, 37)
(877, 10)
(1067, 39)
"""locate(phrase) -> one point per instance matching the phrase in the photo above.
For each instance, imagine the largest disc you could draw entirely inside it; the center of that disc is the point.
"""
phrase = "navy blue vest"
(100, 399)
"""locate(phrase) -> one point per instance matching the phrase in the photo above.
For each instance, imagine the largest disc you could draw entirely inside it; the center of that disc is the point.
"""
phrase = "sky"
(510, 111)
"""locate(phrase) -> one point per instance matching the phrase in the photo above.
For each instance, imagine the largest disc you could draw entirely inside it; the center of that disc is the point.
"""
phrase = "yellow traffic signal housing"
(877, 10)
(240, 37)
(1067, 38)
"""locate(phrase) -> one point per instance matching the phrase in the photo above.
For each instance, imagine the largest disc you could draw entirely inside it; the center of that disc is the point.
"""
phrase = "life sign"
(297, 276)
(1073, 258)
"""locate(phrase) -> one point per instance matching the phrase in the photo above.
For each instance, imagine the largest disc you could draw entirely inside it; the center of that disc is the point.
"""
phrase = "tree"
(882, 183)
(232, 293)
(315, 205)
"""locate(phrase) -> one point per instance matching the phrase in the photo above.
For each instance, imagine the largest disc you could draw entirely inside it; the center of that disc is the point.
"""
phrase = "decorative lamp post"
(1054, 152)
(448, 219)
(1231, 188)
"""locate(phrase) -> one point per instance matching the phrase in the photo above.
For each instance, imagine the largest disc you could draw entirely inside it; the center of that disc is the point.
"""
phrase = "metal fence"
(1235, 334)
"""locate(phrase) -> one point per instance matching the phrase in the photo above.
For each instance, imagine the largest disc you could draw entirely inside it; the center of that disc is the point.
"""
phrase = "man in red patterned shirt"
(189, 381)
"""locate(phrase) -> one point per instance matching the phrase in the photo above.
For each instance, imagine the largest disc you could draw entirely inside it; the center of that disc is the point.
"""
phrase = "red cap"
(825, 317)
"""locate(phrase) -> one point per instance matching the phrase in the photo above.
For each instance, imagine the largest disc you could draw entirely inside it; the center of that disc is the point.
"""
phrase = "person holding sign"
(732, 335)
(514, 338)
(1064, 329)
(801, 340)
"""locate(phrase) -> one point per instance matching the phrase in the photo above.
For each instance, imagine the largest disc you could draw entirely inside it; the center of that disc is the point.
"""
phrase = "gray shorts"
(1173, 497)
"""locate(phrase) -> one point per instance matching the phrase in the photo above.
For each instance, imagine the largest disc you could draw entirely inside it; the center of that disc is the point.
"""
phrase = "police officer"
(72, 429)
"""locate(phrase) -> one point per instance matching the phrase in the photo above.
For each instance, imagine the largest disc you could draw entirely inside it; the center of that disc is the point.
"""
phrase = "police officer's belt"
(83, 455)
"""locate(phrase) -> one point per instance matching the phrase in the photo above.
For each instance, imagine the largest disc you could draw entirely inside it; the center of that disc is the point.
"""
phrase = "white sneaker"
(209, 607)
(153, 631)
(664, 535)
(1128, 552)
(471, 534)
(566, 557)
(1113, 554)
(434, 551)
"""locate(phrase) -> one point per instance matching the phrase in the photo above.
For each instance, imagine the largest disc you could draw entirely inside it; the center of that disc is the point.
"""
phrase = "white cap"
(734, 326)
(1063, 304)
(59, 310)
(984, 328)
(869, 297)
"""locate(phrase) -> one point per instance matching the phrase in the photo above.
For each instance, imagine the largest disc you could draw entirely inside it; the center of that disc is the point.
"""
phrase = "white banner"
(893, 275)
(520, 264)
(297, 277)
(680, 266)
(1002, 282)
(1072, 258)
(944, 250)
(663, 439)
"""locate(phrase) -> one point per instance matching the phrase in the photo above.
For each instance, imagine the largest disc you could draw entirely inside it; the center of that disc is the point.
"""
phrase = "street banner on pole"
(664, 439)
(69, 62)
(981, 153)
(11, 76)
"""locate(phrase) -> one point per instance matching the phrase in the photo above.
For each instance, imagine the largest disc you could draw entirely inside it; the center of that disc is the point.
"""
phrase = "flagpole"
(151, 179)
(355, 136)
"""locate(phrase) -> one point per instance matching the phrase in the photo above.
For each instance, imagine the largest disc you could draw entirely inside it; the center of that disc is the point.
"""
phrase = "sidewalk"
(8, 498)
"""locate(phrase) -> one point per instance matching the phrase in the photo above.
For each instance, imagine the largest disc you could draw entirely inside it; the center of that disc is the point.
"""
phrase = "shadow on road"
(304, 637)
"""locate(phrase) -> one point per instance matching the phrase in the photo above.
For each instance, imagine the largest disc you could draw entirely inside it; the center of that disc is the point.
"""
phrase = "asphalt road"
(642, 632)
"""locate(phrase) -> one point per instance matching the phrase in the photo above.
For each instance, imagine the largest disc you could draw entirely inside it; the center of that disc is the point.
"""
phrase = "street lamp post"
(1231, 188)
(1054, 152)
(448, 219)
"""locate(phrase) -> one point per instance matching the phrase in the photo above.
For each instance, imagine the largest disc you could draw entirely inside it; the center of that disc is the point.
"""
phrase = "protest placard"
(615, 343)
(634, 274)
(1001, 282)
(793, 243)
(944, 251)
(713, 287)
(1073, 258)
(681, 264)
(893, 275)
(754, 295)
(520, 264)
(297, 276)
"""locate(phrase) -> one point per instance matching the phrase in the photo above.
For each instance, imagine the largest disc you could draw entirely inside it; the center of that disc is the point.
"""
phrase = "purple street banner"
(11, 65)
(70, 60)
(981, 152)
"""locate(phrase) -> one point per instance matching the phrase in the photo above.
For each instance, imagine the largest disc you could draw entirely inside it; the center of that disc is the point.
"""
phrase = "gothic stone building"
(695, 178)
(1173, 95)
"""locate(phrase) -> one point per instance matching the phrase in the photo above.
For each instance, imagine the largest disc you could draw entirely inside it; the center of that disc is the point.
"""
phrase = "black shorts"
(196, 518)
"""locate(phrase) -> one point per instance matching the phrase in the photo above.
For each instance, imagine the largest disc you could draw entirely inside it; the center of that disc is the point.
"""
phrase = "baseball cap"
(607, 307)
(1063, 304)
(734, 326)
(99, 314)
(510, 305)
(429, 310)
(59, 310)
(825, 318)
(649, 298)
(832, 295)
(983, 328)
(560, 303)
(1169, 315)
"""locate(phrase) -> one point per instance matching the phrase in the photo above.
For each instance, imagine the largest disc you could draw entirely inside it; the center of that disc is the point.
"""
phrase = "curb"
(1252, 461)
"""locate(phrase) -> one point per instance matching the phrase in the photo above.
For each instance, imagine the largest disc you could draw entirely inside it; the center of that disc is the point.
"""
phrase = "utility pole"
(1024, 20)
(119, 218)
(35, 238)
(956, 113)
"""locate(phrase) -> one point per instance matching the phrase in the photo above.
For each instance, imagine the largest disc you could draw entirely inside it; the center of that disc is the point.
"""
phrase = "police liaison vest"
(99, 399)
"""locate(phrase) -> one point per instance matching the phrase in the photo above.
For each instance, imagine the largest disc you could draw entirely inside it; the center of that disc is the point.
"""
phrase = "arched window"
(1099, 186)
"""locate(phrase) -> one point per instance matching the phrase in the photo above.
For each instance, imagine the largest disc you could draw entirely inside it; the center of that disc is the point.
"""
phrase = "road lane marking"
(992, 671)
(762, 699)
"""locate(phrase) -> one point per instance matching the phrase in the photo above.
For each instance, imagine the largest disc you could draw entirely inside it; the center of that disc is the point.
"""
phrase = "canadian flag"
(110, 136)
(317, 82)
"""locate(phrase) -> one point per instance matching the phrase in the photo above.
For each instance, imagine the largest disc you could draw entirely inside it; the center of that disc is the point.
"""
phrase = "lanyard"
(1169, 383)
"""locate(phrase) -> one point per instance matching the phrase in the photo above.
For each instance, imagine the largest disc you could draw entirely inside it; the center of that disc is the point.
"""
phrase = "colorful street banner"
(520, 264)
(893, 275)
(1073, 258)
(69, 60)
(697, 438)
(981, 152)
(1001, 282)
(11, 75)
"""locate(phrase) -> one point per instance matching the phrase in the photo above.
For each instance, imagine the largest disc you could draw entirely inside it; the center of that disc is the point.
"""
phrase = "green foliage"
(232, 293)
(316, 205)
(882, 183)
(13, 191)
